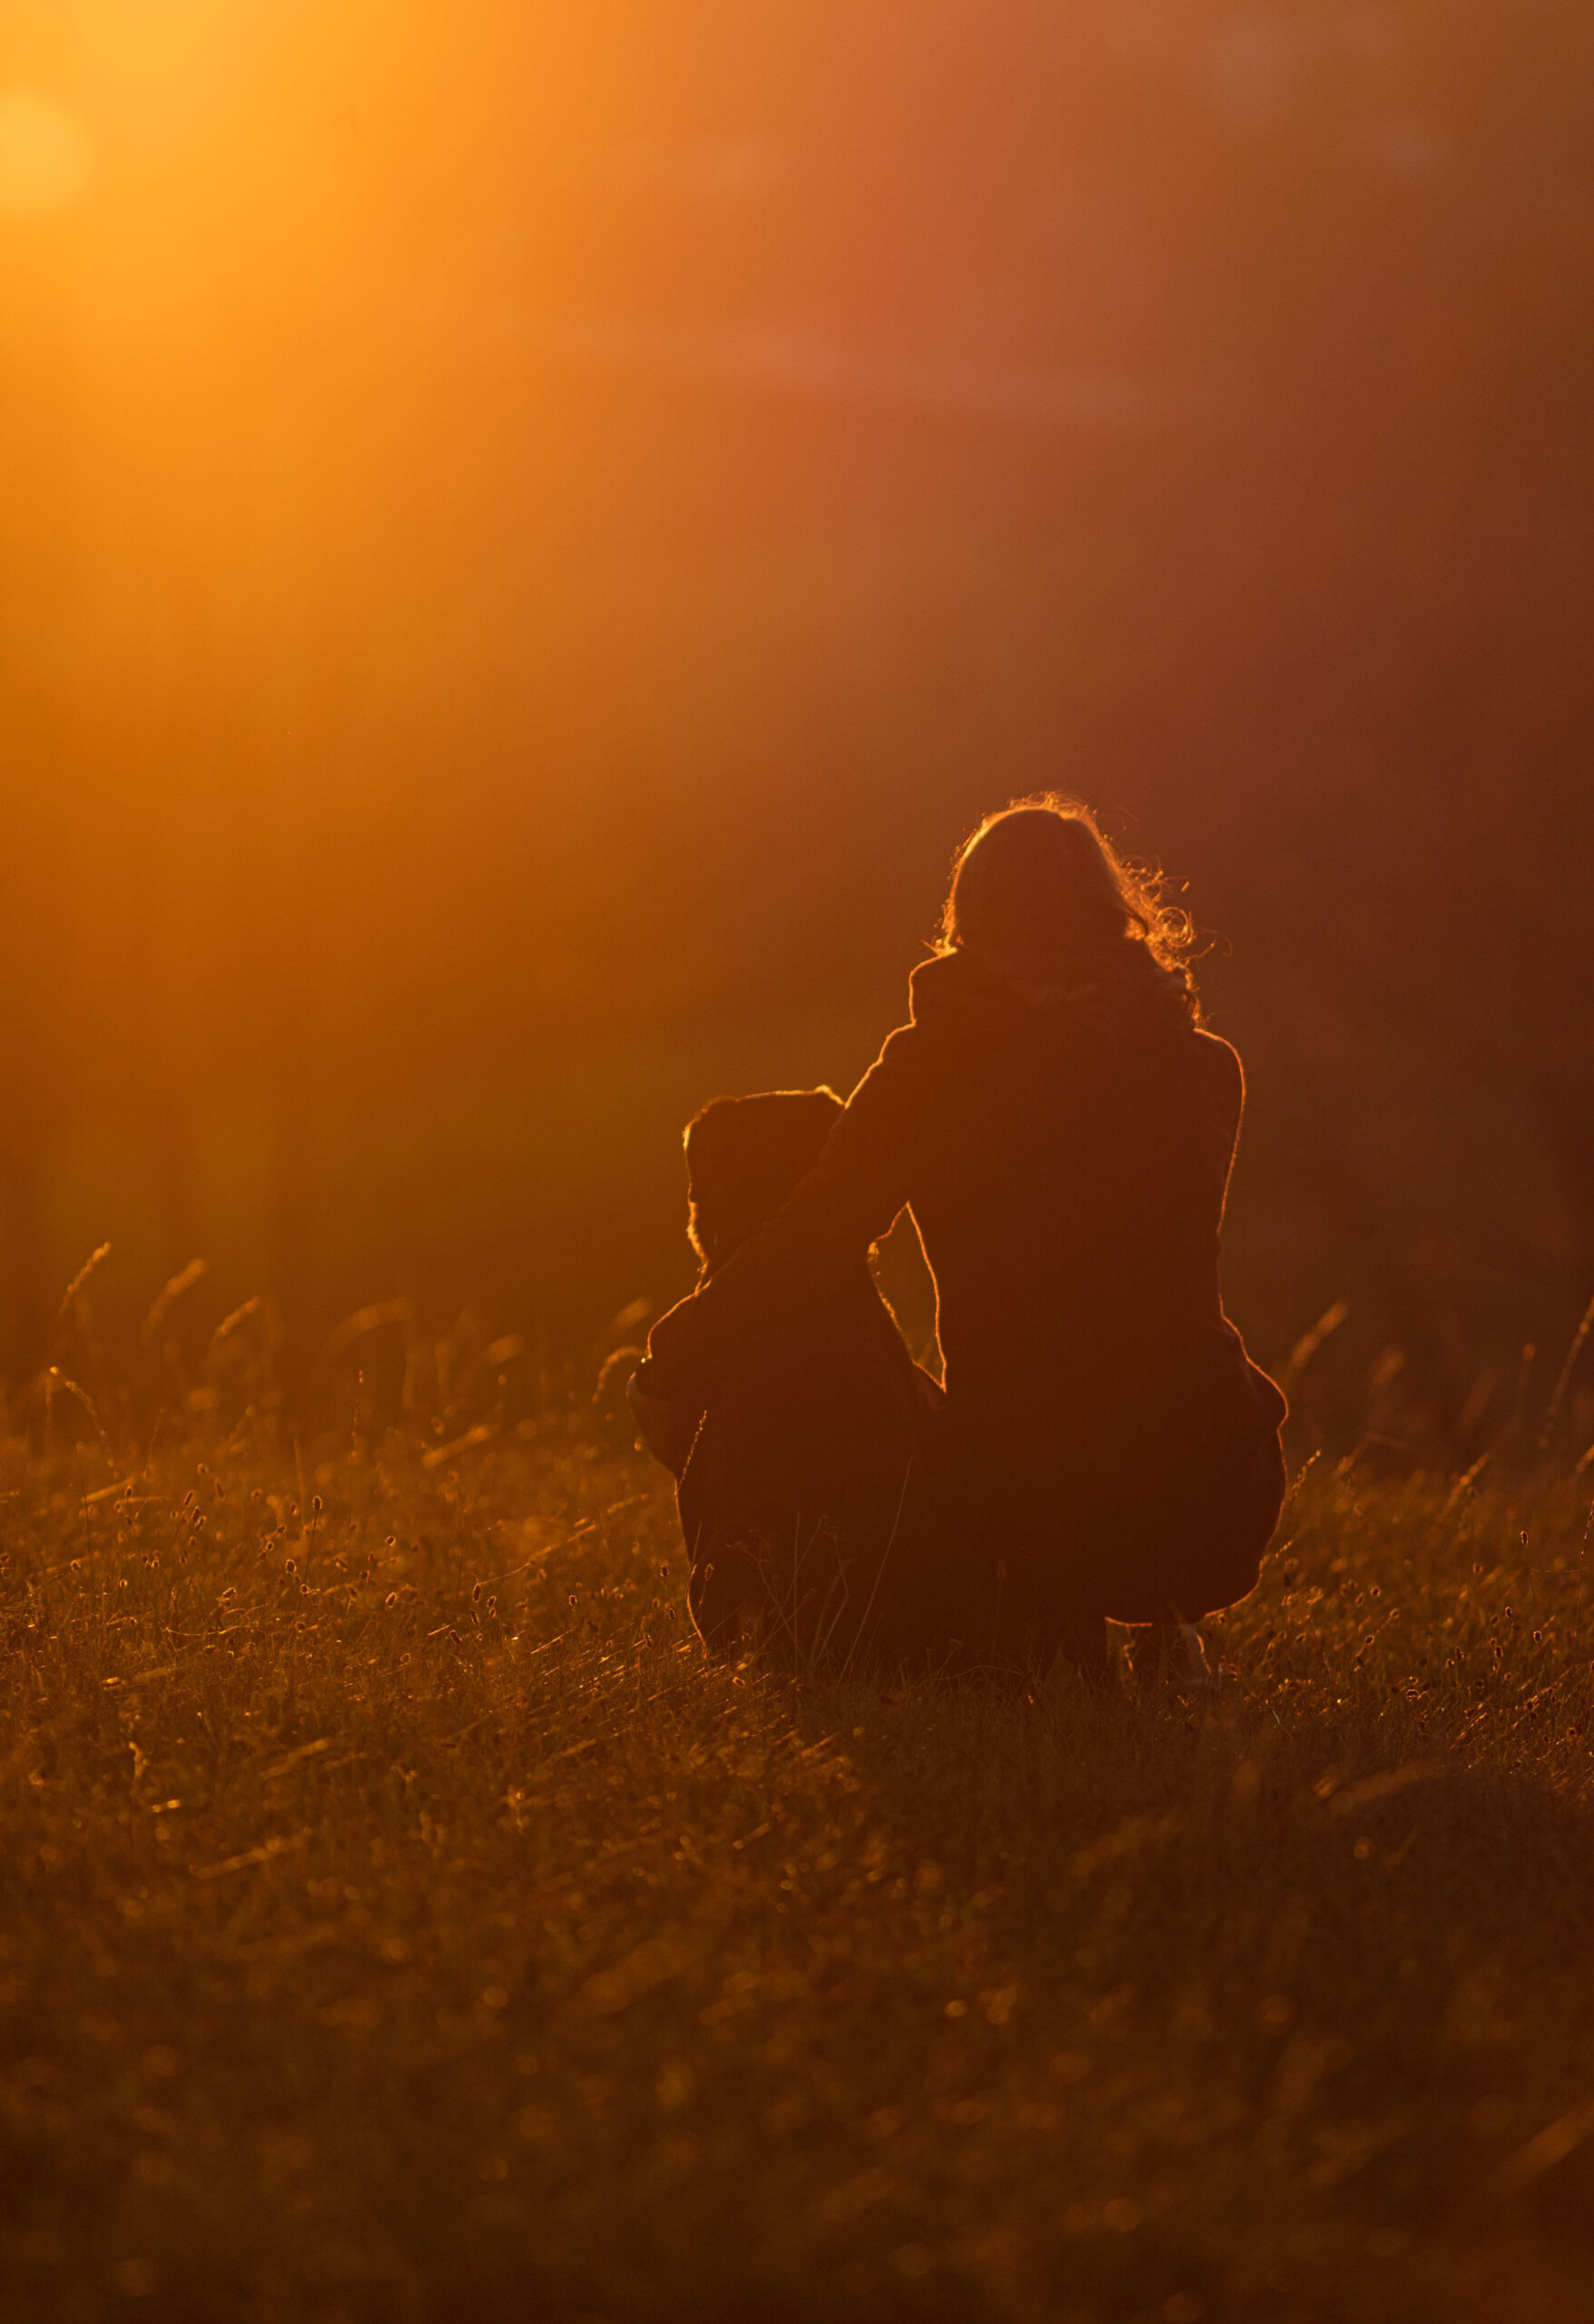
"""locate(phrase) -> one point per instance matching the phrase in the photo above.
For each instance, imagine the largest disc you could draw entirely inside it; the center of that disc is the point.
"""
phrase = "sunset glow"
(46, 159)
(508, 511)
(796, 1161)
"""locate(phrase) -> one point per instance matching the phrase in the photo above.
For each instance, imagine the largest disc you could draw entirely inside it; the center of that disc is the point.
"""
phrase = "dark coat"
(1106, 1447)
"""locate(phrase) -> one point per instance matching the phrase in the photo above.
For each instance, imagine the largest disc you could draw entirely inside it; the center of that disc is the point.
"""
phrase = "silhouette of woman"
(1062, 1130)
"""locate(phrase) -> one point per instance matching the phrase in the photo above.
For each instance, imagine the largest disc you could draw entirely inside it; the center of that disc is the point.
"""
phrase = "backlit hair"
(1040, 896)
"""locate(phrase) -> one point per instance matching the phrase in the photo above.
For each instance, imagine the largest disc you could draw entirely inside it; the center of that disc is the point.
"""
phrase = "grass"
(404, 1919)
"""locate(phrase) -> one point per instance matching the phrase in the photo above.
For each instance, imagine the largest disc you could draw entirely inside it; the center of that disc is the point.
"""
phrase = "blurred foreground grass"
(404, 1919)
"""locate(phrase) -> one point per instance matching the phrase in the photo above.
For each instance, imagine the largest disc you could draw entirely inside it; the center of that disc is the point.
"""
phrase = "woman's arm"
(847, 1202)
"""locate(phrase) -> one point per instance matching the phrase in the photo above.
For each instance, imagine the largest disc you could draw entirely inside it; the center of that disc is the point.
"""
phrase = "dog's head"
(745, 1157)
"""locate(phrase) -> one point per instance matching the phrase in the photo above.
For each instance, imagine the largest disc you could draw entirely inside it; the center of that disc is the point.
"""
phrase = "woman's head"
(1040, 895)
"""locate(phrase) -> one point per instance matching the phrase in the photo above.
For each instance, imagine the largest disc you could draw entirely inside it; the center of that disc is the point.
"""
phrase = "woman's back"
(1066, 1167)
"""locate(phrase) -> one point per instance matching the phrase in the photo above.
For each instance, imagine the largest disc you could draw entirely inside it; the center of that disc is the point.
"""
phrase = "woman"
(1062, 1130)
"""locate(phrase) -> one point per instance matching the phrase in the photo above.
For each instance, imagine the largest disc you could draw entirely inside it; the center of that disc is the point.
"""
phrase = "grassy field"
(404, 1919)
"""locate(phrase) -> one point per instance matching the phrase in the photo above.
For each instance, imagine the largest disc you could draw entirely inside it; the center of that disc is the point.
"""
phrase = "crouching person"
(791, 1482)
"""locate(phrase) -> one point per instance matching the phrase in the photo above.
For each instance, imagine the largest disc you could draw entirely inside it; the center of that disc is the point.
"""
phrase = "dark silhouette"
(790, 1484)
(1063, 1130)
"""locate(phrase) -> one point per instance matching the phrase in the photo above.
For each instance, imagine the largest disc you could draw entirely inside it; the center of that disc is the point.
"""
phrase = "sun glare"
(46, 159)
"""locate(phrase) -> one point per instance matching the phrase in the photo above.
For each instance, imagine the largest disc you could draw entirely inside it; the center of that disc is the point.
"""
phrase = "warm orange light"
(46, 157)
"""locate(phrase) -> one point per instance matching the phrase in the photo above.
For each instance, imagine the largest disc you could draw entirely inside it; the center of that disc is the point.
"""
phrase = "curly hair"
(1042, 896)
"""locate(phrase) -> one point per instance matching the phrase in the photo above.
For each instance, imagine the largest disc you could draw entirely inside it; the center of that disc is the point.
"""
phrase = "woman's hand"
(666, 1430)
(651, 1414)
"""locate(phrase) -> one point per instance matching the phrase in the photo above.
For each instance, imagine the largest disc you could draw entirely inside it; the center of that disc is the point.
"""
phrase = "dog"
(790, 1484)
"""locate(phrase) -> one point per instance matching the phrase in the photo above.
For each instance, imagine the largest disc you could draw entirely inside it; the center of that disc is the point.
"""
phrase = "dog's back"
(790, 1499)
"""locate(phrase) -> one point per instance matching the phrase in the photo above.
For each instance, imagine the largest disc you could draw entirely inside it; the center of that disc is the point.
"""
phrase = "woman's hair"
(1041, 896)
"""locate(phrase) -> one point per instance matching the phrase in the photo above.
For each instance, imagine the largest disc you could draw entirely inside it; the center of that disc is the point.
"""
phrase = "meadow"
(404, 1919)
